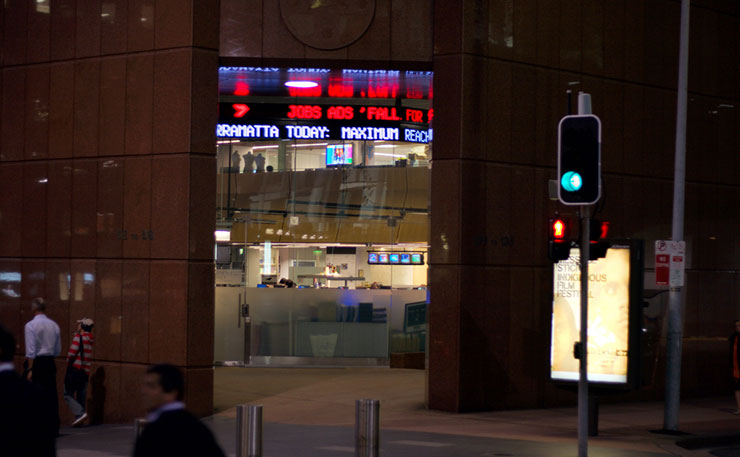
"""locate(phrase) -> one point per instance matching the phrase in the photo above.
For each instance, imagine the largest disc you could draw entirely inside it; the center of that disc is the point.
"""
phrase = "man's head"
(38, 305)
(7, 345)
(163, 384)
(737, 326)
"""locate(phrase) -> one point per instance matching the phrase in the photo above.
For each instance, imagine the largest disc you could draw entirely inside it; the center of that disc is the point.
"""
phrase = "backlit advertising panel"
(612, 318)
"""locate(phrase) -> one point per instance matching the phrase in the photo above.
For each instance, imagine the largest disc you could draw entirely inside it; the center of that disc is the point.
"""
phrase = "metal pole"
(584, 107)
(583, 366)
(367, 428)
(675, 311)
(139, 425)
(249, 431)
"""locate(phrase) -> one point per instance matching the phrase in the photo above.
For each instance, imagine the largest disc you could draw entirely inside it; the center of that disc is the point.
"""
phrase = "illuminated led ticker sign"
(275, 111)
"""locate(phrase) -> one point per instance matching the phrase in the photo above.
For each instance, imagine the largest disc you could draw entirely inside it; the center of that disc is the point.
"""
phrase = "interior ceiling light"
(301, 84)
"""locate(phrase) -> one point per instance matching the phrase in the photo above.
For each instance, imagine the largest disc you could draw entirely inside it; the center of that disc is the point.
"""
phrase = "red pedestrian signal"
(558, 229)
(560, 239)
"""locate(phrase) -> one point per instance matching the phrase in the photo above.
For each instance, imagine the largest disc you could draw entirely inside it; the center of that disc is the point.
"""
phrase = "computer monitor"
(338, 154)
(383, 257)
(394, 258)
(372, 257)
(406, 258)
(417, 259)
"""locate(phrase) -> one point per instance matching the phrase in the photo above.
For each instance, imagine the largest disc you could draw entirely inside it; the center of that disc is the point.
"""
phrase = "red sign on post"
(662, 269)
(669, 263)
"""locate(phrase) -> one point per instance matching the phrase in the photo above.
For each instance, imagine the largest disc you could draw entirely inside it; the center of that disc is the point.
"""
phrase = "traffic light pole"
(583, 361)
(584, 107)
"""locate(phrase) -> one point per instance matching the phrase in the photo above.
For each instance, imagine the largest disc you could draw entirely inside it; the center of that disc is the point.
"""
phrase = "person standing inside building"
(735, 363)
(27, 425)
(171, 430)
(43, 343)
(79, 360)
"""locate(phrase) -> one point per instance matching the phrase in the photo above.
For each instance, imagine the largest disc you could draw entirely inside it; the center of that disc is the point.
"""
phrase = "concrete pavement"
(310, 412)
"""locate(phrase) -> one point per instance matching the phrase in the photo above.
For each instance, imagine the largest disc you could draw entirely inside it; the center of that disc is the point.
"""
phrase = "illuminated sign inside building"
(395, 258)
(254, 112)
(322, 132)
(608, 317)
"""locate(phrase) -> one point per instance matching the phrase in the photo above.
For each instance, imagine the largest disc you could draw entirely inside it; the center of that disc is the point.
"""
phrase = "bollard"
(367, 428)
(139, 425)
(249, 431)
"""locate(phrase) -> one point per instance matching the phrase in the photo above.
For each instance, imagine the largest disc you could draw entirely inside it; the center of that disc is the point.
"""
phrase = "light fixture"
(301, 84)
(390, 155)
(223, 235)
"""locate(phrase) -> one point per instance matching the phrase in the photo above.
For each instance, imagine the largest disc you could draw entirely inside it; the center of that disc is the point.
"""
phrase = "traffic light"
(579, 160)
(559, 239)
(598, 231)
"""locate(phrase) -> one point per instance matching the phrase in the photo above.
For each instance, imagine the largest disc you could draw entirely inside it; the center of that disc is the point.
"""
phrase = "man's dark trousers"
(44, 374)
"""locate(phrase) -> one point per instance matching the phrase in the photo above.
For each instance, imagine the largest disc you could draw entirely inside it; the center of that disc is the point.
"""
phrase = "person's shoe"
(79, 420)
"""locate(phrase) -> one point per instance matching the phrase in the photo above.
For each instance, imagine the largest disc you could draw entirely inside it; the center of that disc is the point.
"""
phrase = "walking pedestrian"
(79, 360)
(27, 427)
(171, 430)
(43, 344)
(735, 363)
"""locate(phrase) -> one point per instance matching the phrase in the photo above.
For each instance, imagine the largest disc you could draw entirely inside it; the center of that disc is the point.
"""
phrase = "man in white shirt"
(43, 344)
(26, 422)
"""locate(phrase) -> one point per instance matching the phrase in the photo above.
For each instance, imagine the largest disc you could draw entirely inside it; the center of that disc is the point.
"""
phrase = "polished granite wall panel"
(11, 209)
(33, 235)
(15, 29)
(140, 28)
(37, 113)
(137, 202)
(203, 112)
(134, 312)
(13, 103)
(63, 28)
(200, 217)
(84, 207)
(200, 311)
(411, 22)
(10, 299)
(445, 338)
(39, 28)
(170, 200)
(87, 31)
(86, 107)
(109, 213)
(112, 117)
(376, 43)
(241, 28)
(57, 295)
(139, 104)
(61, 110)
(168, 312)
(114, 26)
(399, 31)
(82, 279)
(108, 316)
(77, 123)
(59, 208)
(172, 101)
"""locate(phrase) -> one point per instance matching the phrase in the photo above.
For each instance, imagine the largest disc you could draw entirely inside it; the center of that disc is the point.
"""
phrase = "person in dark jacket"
(171, 430)
(27, 422)
(735, 363)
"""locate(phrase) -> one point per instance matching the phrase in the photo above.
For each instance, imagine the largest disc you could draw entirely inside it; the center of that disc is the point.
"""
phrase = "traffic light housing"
(598, 231)
(560, 239)
(579, 160)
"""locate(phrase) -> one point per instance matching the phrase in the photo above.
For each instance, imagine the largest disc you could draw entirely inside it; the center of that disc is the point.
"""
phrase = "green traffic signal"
(571, 181)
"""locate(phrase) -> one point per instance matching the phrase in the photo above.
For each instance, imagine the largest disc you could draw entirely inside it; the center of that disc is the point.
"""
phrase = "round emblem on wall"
(327, 24)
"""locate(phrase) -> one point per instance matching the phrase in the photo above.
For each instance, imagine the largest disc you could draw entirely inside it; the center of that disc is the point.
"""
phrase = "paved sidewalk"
(310, 412)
